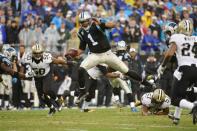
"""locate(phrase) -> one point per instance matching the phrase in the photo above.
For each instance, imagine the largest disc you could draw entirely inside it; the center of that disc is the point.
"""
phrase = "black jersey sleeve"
(103, 26)
(82, 44)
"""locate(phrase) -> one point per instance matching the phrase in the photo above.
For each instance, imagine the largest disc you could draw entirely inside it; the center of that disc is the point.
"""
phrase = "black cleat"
(174, 120)
(88, 110)
(51, 111)
(194, 114)
(80, 99)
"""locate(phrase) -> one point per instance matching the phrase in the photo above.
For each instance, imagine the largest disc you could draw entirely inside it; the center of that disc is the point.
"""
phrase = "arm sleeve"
(82, 45)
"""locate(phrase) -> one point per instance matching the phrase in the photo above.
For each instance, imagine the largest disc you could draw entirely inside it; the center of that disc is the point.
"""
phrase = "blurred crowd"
(54, 23)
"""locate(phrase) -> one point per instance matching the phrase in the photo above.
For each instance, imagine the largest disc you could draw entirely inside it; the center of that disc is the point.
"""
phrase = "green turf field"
(100, 120)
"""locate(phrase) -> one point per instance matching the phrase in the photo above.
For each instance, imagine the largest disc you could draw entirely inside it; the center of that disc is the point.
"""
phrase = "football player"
(40, 62)
(123, 82)
(6, 71)
(185, 47)
(156, 102)
(92, 33)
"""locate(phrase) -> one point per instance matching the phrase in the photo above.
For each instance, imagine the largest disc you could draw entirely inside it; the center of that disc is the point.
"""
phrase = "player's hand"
(29, 74)
(5, 85)
(96, 20)
(160, 71)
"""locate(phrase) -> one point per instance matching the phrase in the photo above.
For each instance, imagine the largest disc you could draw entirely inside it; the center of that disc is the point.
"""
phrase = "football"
(72, 53)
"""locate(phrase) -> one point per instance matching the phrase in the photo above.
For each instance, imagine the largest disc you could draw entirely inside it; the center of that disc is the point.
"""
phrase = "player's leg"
(39, 89)
(125, 87)
(83, 76)
(179, 88)
(1, 95)
(90, 96)
(7, 91)
(113, 61)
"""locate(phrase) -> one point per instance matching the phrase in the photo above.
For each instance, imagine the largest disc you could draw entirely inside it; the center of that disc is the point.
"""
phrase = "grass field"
(100, 120)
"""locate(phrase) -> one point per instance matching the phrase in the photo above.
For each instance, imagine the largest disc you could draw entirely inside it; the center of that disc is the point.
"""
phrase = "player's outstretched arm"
(169, 54)
(59, 61)
(109, 24)
(11, 72)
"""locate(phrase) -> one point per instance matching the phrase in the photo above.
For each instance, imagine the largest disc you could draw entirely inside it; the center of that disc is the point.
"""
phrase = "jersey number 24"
(186, 49)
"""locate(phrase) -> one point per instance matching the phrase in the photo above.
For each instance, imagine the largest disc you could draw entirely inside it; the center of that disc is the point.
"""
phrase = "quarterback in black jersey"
(92, 33)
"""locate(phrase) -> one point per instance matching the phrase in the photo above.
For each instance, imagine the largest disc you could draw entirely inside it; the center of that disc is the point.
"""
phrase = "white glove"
(160, 71)
(178, 74)
(29, 74)
(4, 84)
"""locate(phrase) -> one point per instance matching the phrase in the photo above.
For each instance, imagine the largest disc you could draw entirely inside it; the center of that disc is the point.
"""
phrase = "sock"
(130, 97)
(177, 112)
(1, 98)
(186, 104)
(116, 98)
(195, 89)
(6, 103)
(85, 105)
(132, 104)
(6, 100)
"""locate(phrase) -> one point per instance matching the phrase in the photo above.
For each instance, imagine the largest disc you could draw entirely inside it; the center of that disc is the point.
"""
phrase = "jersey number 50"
(186, 49)
(39, 71)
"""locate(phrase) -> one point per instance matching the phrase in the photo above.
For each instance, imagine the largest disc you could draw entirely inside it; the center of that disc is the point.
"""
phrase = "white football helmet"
(85, 20)
(185, 27)
(84, 16)
(37, 51)
(121, 45)
(10, 53)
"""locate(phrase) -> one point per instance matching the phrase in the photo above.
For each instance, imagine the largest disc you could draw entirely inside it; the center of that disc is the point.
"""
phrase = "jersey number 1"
(92, 40)
(186, 47)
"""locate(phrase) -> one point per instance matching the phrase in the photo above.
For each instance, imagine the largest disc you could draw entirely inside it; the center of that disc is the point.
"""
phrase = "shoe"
(51, 111)
(176, 121)
(88, 110)
(171, 116)
(80, 98)
(134, 109)
(194, 114)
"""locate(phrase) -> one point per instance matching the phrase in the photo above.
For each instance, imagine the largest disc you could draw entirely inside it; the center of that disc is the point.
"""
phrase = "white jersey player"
(156, 102)
(40, 62)
(185, 47)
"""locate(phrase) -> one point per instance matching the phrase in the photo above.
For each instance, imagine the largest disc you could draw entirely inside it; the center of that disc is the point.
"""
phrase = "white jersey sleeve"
(47, 58)
(186, 49)
(166, 103)
(146, 99)
(26, 58)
